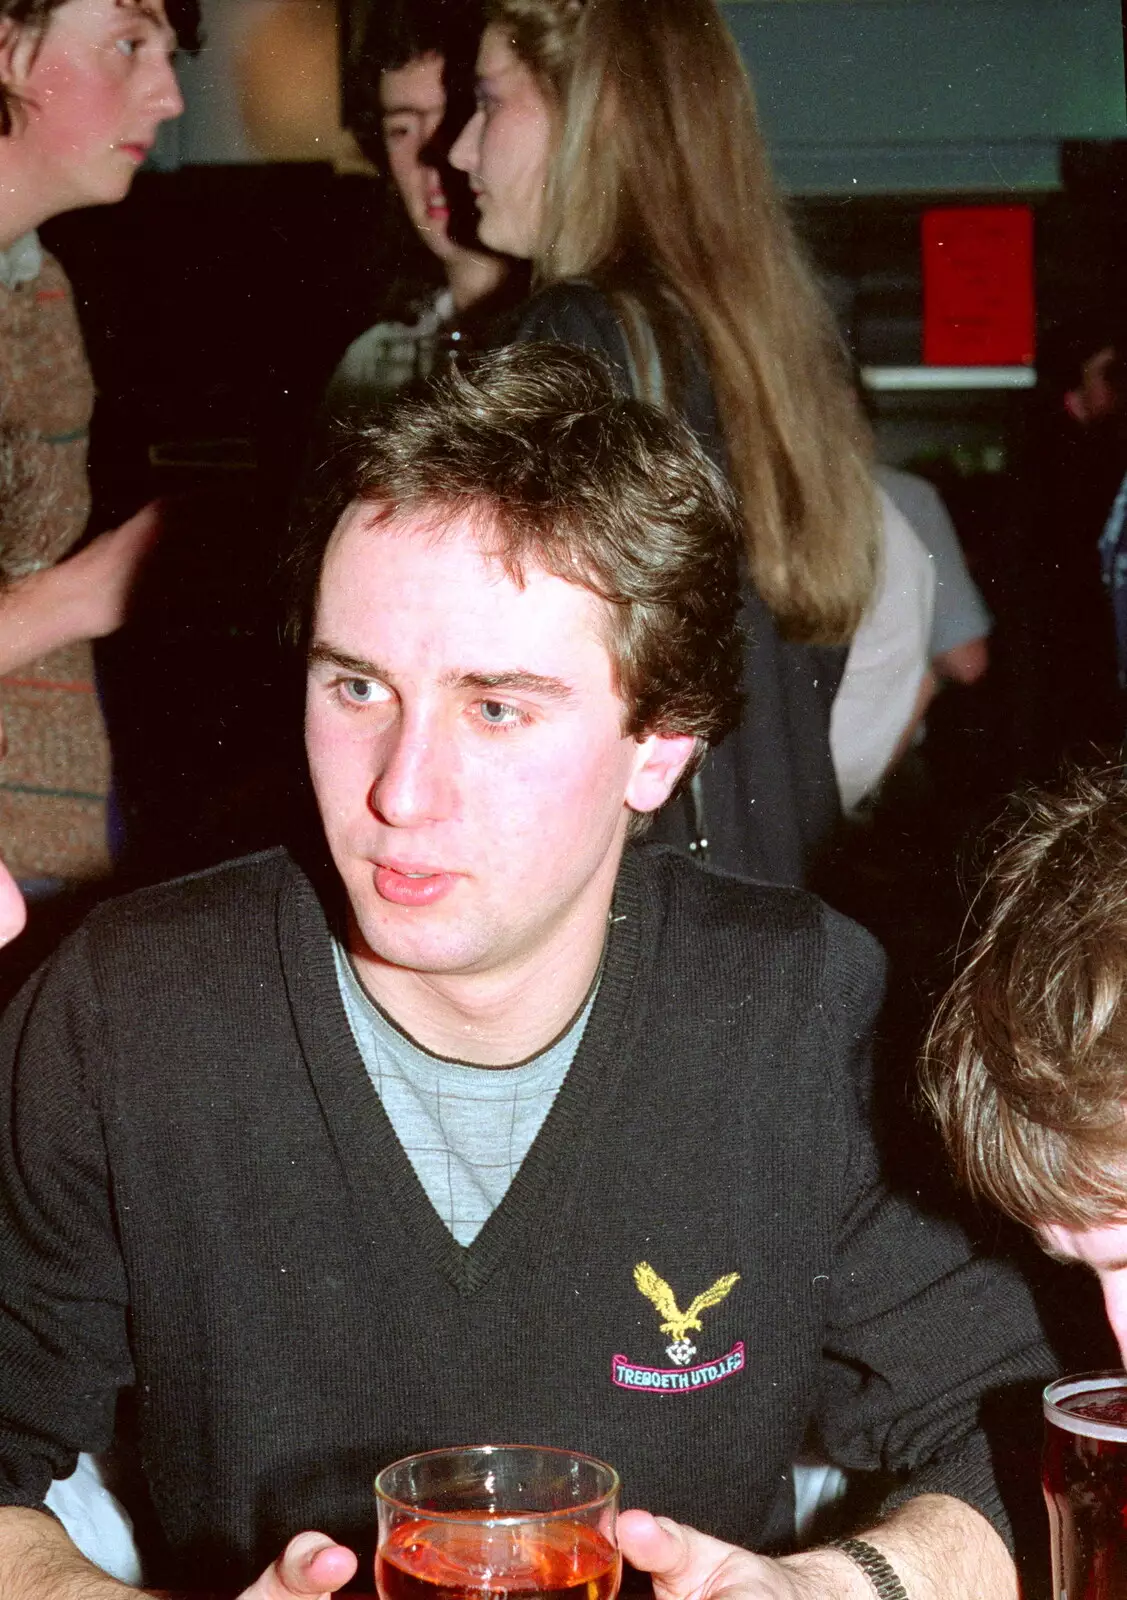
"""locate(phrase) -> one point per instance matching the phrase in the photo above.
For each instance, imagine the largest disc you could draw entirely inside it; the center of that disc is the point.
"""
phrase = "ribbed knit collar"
(22, 261)
(374, 1162)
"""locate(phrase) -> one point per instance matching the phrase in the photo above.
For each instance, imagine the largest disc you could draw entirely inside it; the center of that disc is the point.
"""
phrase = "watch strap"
(876, 1567)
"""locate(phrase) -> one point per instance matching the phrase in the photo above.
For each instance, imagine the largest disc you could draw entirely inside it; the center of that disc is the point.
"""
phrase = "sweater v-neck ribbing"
(375, 1163)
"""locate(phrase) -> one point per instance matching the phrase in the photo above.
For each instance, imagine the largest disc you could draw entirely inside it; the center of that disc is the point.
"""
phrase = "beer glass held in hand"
(485, 1522)
(1085, 1481)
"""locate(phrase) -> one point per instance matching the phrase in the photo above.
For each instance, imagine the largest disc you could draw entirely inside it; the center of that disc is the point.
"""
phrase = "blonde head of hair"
(660, 187)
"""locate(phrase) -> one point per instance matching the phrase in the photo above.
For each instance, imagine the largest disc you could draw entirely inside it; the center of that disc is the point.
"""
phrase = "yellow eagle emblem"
(678, 1323)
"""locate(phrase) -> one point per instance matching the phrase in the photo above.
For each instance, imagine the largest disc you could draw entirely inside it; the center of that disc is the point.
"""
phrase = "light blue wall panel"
(895, 95)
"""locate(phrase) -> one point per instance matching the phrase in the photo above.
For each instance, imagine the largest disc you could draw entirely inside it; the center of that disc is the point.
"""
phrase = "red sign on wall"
(978, 286)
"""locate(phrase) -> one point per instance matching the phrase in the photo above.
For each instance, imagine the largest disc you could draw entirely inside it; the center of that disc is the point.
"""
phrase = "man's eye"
(497, 714)
(399, 128)
(359, 691)
(128, 47)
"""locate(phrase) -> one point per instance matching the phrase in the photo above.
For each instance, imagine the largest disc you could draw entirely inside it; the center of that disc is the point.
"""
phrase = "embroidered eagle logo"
(678, 1323)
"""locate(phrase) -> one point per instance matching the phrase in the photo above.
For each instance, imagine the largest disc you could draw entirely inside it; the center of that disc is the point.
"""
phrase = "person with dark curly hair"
(408, 89)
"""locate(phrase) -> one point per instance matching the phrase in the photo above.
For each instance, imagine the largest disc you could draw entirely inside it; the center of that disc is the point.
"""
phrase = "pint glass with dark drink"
(486, 1522)
(1085, 1482)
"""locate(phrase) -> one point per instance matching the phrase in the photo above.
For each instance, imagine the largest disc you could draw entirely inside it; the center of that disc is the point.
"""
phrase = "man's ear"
(661, 759)
(1095, 396)
(17, 48)
(1076, 405)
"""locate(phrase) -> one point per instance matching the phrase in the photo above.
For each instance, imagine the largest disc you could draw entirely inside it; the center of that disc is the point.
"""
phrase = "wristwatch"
(876, 1567)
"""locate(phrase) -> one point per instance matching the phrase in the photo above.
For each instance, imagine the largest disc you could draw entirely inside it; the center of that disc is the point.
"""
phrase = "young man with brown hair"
(433, 1141)
(408, 90)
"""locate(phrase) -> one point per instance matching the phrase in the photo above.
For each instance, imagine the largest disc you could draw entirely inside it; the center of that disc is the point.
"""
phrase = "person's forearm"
(41, 613)
(38, 1561)
(964, 663)
(84, 597)
(925, 694)
(939, 1547)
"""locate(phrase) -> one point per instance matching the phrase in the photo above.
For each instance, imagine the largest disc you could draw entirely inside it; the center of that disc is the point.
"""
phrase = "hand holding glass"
(486, 1521)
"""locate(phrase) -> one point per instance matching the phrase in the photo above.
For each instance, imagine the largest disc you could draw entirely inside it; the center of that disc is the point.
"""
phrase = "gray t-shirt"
(465, 1129)
(960, 612)
(386, 357)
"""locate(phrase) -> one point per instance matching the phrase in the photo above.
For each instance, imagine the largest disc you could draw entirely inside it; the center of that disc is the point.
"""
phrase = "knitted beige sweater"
(55, 773)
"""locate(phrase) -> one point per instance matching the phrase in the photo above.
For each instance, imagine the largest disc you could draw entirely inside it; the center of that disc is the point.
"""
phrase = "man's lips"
(404, 885)
(137, 149)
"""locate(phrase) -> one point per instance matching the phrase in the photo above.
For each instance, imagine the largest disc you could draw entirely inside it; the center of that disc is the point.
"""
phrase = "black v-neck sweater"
(201, 1197)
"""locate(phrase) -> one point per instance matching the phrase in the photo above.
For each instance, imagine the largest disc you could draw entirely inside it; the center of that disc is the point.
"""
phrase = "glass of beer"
(1084, 1476)
(486, 1521)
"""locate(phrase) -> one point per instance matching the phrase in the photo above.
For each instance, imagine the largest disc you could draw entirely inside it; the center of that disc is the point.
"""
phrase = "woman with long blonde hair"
(617, 147)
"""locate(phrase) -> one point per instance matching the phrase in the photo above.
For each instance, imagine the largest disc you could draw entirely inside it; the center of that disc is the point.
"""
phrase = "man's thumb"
(653, 1544)
(311, 1566)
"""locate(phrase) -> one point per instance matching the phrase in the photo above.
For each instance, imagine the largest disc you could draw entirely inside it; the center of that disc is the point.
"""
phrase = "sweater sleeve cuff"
(968, 1476)
(16, 1500)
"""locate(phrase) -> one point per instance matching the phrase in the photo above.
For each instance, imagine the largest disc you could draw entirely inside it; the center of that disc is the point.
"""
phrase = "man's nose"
(464, 150)
(164, 94)
(417, 781)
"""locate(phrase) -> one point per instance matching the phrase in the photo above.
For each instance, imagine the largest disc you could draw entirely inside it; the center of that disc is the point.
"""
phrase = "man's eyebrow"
(516, 681)
(329, 655)
(132, 10)
(406, 108)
